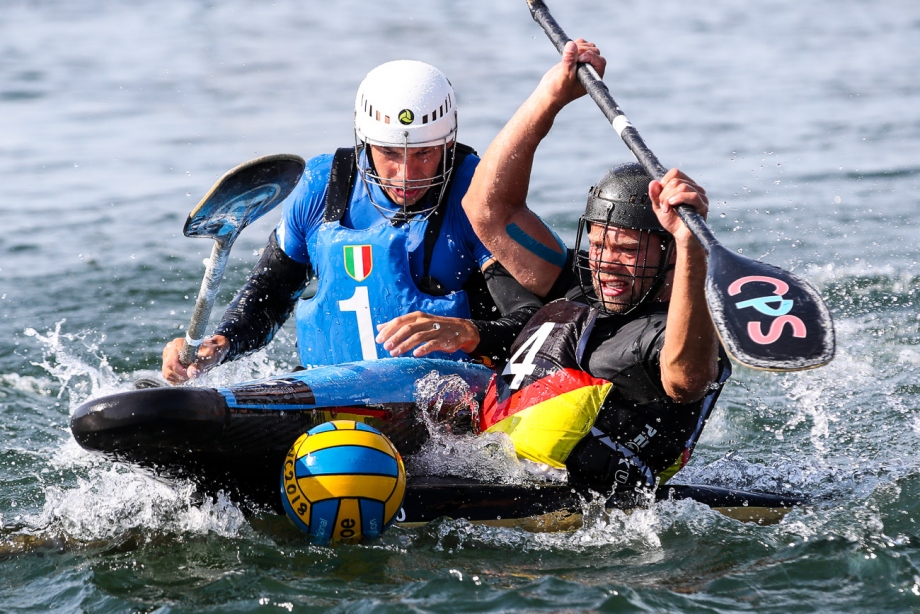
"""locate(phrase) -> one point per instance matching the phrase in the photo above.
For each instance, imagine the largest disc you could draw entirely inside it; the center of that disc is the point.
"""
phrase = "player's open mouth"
(613, 288)
(409, 195)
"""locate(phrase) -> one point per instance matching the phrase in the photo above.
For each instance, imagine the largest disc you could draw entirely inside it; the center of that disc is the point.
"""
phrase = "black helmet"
(620, 199)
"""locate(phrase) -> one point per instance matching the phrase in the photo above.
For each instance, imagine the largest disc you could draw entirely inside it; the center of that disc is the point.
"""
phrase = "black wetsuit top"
(637, 414)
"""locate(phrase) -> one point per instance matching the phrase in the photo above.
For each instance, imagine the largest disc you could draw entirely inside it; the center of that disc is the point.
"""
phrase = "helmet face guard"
(434, 187)
(621, 256)
(638, 271)
(400, 106)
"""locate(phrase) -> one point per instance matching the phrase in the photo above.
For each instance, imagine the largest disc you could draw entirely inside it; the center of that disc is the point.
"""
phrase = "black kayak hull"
(235, 439)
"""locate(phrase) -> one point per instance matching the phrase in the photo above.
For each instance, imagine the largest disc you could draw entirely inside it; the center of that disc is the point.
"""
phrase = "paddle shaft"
(210, 284)
(766, 318)
(598, 91)
(242, 195)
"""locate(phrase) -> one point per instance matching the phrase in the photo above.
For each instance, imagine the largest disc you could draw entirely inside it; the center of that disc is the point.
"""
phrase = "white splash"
(81, 371)
(69, 359)
(448, 407)
(112, 501)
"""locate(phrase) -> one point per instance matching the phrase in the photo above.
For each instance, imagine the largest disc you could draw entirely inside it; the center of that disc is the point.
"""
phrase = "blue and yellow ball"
(342, 481)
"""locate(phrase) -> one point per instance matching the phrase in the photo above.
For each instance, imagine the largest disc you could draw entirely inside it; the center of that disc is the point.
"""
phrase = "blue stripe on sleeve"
(535, 247)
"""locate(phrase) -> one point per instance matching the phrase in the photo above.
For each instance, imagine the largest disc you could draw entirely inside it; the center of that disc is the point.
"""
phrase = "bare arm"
(496, 202)
(689, 359)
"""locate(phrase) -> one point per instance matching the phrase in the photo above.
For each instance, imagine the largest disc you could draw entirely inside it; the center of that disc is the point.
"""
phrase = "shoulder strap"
(341, 180)
(433, 230)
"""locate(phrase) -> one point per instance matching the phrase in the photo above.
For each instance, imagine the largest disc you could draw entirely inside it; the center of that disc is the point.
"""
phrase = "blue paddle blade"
(244, 194)
(766, 317)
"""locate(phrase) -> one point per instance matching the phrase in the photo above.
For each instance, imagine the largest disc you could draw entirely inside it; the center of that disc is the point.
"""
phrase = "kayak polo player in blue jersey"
(381, 226)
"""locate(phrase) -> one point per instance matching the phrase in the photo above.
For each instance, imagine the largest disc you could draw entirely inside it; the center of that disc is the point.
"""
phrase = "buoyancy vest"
(543, 400)
(364, 280)
(622, 430)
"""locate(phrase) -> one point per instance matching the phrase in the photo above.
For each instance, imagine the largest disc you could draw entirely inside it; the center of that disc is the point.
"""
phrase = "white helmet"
(405, 104)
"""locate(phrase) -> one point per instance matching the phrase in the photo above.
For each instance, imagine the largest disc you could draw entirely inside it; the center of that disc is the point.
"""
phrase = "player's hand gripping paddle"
(767, 318)
(242, 195)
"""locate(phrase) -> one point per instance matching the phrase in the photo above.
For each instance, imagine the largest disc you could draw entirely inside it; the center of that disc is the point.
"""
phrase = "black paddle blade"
(766, 317)
(244, 194)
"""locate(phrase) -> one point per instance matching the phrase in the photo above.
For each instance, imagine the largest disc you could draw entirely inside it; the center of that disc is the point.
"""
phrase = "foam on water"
(27, 383)
(637, 530)
(74, 360)
(646, 533)
(109, 499)
(113, 500)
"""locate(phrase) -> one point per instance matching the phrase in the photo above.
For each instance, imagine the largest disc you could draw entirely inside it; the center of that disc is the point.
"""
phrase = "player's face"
(406, 173)
(623, 263)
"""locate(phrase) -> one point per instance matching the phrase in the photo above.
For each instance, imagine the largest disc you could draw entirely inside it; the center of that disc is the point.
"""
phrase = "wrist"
(471, 334)
(685, 241)
(690, 256)
(540, 111)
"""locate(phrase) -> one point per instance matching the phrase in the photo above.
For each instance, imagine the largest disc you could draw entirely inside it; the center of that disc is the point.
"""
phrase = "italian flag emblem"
(358, 261)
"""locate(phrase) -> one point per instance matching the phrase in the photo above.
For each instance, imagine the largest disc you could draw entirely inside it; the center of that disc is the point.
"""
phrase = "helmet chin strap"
(408, 213)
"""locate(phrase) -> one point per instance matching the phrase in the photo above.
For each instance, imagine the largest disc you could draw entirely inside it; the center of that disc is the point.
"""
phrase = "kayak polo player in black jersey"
(614, 378)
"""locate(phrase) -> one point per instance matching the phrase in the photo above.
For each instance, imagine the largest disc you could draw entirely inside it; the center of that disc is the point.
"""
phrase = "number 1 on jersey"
(360, 303)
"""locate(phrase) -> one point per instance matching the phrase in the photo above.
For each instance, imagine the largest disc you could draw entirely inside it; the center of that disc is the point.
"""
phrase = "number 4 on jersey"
(526, 367)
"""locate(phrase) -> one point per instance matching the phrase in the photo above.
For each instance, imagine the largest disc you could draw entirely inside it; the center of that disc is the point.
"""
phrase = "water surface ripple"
(801, 119)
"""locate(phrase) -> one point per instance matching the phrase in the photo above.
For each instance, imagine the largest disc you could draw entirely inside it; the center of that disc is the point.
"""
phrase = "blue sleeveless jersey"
(368, 269)
(364, 281)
